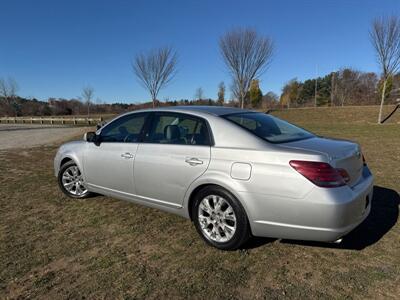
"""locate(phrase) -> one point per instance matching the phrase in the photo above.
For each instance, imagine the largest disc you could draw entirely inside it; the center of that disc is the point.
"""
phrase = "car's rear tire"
(220, 219)
(71, 181)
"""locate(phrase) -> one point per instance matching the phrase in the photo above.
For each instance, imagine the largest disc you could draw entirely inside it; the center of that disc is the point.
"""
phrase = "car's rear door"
(175, 151)
(108, 164)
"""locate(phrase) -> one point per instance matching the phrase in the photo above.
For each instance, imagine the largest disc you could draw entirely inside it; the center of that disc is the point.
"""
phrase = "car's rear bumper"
(325, 214)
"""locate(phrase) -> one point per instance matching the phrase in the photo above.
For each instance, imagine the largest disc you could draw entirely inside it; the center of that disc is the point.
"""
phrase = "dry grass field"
(54, 247)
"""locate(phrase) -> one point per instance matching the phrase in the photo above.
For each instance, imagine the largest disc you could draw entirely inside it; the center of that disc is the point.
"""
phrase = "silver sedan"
(234, 173)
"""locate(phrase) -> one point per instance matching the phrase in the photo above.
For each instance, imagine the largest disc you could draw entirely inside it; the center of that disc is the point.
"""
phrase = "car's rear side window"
(176, 128)
(268, 127)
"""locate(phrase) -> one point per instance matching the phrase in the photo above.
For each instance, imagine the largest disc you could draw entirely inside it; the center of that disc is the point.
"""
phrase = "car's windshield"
(268, 127)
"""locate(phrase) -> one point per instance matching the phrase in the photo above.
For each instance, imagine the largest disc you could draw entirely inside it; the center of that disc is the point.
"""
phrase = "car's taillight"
(320, 173)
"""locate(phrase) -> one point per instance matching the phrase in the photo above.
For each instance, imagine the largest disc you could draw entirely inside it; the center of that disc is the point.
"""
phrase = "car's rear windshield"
(269, 128)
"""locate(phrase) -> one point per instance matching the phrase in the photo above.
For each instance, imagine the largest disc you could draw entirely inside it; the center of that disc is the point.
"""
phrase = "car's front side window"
(175, 128)
(126, 129)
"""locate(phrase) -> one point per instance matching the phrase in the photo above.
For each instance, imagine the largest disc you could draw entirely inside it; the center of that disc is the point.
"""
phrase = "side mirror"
(90, 136)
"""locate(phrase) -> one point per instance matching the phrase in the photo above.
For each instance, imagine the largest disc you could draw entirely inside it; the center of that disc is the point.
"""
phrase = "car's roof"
(213, 110)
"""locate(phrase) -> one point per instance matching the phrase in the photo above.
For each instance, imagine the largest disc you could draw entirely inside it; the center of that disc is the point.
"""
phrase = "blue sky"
(54, 48)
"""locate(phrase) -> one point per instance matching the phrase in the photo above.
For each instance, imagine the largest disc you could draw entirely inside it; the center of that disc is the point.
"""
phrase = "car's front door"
(175, 151)
(108, 164)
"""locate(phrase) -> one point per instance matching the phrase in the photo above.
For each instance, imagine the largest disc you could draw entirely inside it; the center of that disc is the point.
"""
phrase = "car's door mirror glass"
(89, 136)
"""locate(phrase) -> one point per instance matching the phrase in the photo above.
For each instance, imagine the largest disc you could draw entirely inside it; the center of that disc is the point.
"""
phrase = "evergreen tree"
(221, 93)
(255, 93)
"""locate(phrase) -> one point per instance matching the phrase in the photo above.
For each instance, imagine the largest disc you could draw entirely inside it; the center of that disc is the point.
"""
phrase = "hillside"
(335, 115)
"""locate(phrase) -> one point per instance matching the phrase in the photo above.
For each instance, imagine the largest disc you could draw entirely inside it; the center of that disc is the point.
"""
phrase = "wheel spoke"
(213, 199)
(205, 206)
(83, 188)
(78, 189)
(67, 176)
(217, 204)
(227, 227)
(74, 172)
(230, 217)
(216, 233)
(69, 186)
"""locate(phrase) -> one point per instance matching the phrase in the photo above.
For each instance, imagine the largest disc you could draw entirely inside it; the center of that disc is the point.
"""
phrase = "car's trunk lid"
(341, 154)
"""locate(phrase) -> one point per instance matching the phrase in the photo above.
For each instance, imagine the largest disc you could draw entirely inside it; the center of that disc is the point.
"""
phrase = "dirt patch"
(30, 135)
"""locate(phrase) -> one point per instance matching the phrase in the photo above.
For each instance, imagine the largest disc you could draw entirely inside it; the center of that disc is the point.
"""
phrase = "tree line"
(344, 87)
(61, 107)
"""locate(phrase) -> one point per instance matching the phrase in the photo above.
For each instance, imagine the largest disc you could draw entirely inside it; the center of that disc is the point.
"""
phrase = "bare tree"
(8, 88)
(87, 96)
(155, 69)
(3, 88)
(385, 37)
(346, 82)
(199, 94)
(235, 92)
(270, 100)
(247, 55)
(8, 91)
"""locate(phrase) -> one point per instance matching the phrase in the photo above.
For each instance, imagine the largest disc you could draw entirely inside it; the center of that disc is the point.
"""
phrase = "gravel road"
(30, 135)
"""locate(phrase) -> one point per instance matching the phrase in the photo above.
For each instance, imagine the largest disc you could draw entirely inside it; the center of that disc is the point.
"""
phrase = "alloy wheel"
(73, 182)
(217, 219)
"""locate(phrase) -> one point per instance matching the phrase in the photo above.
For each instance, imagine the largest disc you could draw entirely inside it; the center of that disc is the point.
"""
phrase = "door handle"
(193, 161)
(127, 155)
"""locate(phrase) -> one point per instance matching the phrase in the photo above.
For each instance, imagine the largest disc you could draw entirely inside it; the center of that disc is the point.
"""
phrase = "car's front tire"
(220, 219)
(71, 181)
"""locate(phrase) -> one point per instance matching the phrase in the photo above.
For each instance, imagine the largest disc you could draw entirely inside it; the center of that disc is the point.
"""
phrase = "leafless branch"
(199, 95)
(155, 69)
(385, 38)
(87, 96)
(247, 55)
(346, 82)
(8, 88)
